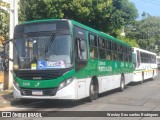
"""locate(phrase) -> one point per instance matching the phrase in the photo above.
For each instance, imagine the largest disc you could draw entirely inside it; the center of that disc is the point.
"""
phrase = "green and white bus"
(145, 65)
(64, 59)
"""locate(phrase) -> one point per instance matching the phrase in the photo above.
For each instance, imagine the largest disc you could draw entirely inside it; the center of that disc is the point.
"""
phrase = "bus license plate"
(37, 92)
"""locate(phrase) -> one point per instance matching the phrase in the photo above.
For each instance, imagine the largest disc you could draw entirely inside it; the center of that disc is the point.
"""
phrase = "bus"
(64, 59)
(158, 62)
(145, 65)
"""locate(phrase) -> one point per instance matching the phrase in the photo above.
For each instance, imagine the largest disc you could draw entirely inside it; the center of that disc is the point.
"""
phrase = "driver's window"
(81, 49)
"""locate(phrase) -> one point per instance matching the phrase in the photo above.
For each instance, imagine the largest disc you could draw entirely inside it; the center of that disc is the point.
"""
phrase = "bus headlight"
(65, 83)
(16, 85)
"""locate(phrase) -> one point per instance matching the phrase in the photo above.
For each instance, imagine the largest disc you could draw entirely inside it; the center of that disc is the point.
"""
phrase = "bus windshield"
(32, 54)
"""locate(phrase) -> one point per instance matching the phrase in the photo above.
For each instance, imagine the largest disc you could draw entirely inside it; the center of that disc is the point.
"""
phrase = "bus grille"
(40, 74)
(46, 92)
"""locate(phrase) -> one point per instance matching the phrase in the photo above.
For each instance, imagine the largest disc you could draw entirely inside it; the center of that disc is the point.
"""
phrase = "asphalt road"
(136, 97)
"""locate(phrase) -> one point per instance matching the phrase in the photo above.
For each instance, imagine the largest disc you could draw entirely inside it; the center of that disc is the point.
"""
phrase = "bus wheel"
(142, 78)
(122, 83)
(93, 91)
(152, 76)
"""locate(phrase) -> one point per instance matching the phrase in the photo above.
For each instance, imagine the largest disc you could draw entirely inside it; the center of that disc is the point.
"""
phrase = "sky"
(149, 6)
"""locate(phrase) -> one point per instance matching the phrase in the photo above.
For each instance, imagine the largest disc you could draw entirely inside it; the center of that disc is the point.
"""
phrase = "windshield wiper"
(50, 41)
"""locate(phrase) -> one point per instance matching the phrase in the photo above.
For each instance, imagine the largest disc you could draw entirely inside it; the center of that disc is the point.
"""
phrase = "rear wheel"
(152, 76)
(142, 78)
(122, 83)
(93, 91)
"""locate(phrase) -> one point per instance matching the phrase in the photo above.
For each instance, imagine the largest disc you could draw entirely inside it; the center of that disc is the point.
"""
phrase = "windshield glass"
(32, 54)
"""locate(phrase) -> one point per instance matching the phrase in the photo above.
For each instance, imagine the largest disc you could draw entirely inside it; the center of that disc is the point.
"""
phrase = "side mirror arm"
(5, 56)
(6, 42)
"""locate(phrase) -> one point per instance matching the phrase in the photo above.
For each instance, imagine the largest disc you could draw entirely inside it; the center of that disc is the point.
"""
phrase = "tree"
(126, 39)
(146, 32)
(104, 15)
(4, 21)
(123, 13)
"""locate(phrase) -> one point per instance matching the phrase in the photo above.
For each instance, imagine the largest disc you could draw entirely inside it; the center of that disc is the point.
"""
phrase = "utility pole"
(13, 23)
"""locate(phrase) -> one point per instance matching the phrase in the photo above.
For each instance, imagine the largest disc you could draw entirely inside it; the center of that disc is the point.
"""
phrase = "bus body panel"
(107, 83)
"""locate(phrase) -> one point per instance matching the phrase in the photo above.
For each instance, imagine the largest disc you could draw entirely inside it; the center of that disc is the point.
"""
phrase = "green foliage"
(132, 42)
(146, 32)
(104, 15)
(123, 13)
(126, 39)
(4, 21)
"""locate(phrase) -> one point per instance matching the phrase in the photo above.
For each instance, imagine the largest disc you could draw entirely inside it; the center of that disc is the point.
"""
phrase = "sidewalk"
(6, 98)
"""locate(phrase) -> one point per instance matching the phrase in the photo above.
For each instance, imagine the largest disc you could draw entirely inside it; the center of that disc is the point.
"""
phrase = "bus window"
(114, 49)
(108, 55)
(134, 59)
(81, 49)
(93, 46)
(101, 48)
(108, 45)
(130, 54)
(108, 49)
(126, 57)
(114, 56)
(138, 58)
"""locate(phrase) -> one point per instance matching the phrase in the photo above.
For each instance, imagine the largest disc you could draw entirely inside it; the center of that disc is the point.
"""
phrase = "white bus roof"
(146, 51)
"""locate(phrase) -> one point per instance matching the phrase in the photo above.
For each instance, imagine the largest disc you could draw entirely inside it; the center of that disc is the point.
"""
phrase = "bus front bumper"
(68, 92)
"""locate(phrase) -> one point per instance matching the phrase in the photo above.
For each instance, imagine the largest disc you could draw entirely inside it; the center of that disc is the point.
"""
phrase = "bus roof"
(158, 57)
(146, 51)
(84, 26)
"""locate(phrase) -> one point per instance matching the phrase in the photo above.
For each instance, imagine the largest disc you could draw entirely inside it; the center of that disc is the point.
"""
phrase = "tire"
(93, 91)
(142, 78)
(152, 76)
(122, 83)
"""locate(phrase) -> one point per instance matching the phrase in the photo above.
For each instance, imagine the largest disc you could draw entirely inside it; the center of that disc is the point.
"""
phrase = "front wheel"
(93, 91)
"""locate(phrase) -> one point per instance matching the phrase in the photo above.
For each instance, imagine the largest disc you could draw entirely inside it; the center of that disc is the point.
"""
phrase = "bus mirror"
(5, 54)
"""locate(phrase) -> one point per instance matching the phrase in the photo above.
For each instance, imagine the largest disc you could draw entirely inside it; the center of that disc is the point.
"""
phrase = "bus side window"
(93, 46)
(138, 58)
(108, 50)
(92, 55)
(120, 51)
(108, 55)
(101, 48)
(114, 54)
